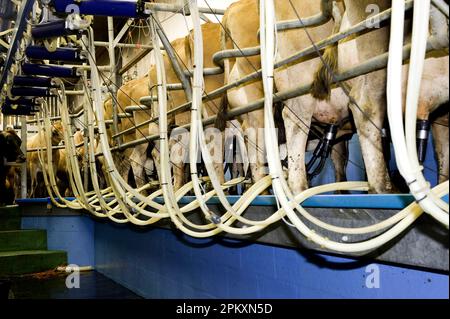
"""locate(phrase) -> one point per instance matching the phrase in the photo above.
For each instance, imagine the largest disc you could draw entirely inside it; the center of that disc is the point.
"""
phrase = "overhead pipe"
(60, 54)
(110, 8)
(20, 107)
(124, 45)
(30, 91)
(177, 8)
(21, 100)
(20, 110)
(49, 70)
(35, 81)
(52, 29)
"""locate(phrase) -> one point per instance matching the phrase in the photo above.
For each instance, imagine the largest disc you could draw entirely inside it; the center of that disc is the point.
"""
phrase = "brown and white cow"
(34, 167)
(131, 94)
(369, 91)
(241, 21)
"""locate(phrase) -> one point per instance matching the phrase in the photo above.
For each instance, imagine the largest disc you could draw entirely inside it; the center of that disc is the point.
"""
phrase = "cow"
(369, 92)
(34, 168)
(62, 172)
(132, 92)
(241, 22)
(10, 151)
(128, 95)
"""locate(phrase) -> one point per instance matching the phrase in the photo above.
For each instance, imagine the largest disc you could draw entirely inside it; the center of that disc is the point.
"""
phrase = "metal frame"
(21, 24)
(372, 65)
(307, 53)
(149, 8)
(364, 68)
(184, 79)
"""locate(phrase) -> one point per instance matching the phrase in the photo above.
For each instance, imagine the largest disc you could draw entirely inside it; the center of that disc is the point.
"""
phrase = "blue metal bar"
(111, 8)
(30, 91)
(49, 70)
(35, 81)
(396, 202)
(35, 201)
(60, 54)
(21, 101)
(19, 109)
(51, 29)
(20, 26)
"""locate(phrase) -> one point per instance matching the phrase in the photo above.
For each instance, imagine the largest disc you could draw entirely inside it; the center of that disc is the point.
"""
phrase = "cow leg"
(297, 119)
(255, 144)
(123, 163)
(138, 158)
(179, 148)
(441, 146)
(215, 142)
(339, 156)
(373, 104)
(33, 177)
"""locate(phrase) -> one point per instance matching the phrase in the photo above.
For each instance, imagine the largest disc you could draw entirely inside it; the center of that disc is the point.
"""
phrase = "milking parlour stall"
(252, 150)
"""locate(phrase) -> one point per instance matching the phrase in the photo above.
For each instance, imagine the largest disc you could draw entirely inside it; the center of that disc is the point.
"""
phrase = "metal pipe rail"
(174, 87)
(378, 63)
(306, 54)
(149, 8)
(184, 79)
(54, 118)
(321, 18)
(75, 92)
(206, 71)
(125, 115)
(124, 45)
(57, 147)
(362, 26)
(137, 108)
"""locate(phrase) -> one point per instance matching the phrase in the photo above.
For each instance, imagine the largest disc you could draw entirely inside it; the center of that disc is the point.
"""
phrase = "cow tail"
(221, 119)
(323, 79)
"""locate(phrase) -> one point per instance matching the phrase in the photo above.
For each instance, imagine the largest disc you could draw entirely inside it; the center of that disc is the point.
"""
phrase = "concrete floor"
(92, 286)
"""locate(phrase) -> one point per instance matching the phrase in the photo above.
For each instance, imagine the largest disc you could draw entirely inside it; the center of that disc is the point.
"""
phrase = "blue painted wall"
(158, 263)
(74, 234)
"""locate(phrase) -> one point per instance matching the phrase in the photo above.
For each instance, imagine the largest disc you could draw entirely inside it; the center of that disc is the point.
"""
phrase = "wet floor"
(92, 285)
